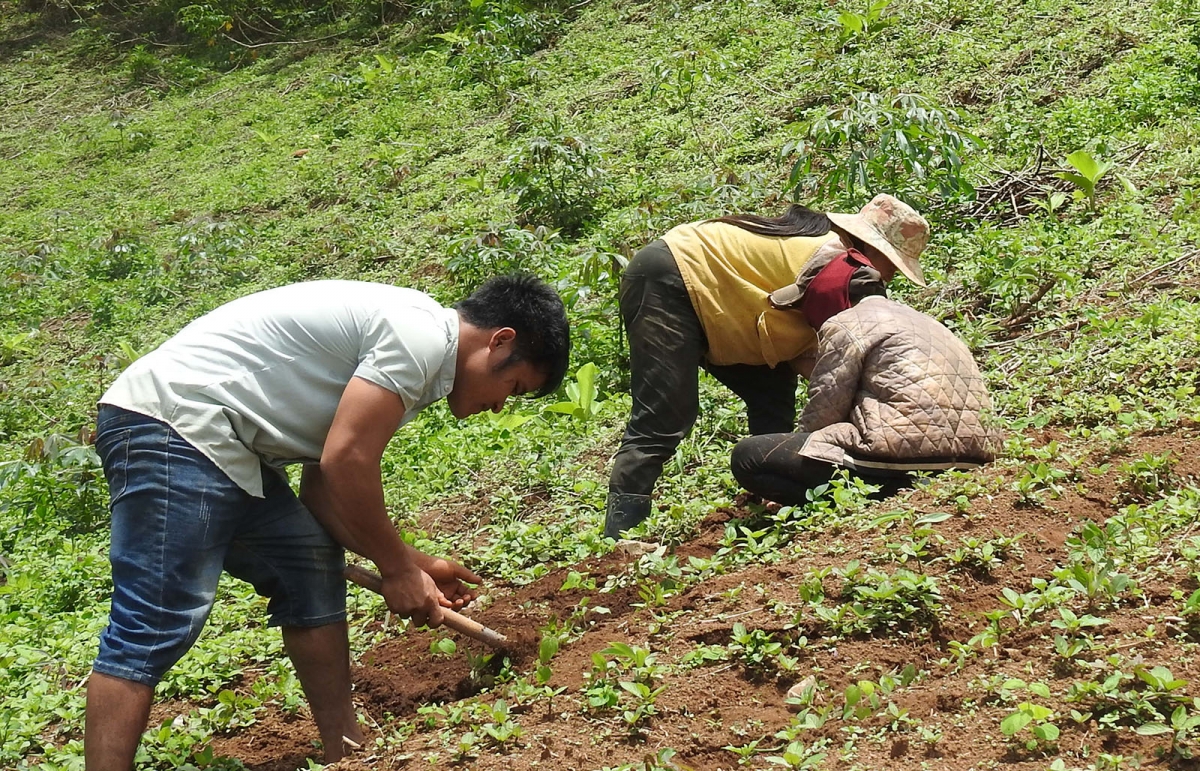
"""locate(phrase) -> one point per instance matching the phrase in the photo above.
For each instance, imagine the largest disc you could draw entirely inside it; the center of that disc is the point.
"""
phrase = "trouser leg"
(769, 394)
(666, 343)
(770, 465)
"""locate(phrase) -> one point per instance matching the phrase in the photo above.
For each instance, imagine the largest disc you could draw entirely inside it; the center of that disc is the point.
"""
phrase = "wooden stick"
(456, 621)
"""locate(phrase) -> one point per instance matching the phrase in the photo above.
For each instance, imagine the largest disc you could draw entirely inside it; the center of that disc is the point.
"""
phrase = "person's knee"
(744, 462)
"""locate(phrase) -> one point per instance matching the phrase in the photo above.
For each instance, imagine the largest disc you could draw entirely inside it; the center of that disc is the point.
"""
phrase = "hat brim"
(854, 225)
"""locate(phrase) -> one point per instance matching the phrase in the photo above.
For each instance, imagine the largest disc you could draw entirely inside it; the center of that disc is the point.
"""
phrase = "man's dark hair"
(535, 311)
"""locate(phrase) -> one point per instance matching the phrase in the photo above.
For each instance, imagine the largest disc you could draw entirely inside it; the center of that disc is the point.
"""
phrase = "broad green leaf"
(932, 519)
(1047, 732)
(1081, 182)
(1083, 162)
(587, 387)
(1037, 711)
(547, 648)
(1153, 729)
(1014, 722)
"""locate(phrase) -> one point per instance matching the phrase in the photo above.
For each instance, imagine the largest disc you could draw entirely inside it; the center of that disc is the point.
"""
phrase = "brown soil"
(705, 709)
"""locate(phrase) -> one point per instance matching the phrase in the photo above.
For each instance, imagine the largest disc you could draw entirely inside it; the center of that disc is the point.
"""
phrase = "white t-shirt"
(259, 379)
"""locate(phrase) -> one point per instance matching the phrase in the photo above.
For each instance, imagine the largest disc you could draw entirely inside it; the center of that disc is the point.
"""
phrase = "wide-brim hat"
(894, 228)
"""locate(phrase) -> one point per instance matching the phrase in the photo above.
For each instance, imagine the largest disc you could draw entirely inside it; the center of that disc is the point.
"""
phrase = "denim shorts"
(177, 522)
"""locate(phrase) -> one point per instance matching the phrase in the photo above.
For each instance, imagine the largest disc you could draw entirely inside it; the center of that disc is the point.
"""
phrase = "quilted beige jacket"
(893, 389)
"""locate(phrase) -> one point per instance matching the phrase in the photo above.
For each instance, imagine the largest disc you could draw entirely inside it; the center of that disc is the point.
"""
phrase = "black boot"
(625, 511)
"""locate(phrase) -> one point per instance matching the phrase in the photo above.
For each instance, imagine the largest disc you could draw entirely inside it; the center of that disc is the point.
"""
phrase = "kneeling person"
(893, 392)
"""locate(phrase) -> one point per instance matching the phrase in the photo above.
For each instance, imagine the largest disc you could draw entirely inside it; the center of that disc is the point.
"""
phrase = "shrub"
(906, 145)
(558, 179)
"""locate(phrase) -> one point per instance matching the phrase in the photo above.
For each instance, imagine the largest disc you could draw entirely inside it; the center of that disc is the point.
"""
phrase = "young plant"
(1088, 172)
(1182, 729)
(642, 707)
(798, 755)
(558, 179)
(757, 649)
(547, 649)
(501, 728)
(902, 143)
(850, 24)
(1037, 719)
(582, 403)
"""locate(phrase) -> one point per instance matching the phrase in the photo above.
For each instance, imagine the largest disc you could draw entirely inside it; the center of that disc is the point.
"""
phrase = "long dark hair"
(796, 221)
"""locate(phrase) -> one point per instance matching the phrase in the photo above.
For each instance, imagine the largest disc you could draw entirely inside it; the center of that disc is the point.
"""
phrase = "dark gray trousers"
(771, 466)
(666, 350)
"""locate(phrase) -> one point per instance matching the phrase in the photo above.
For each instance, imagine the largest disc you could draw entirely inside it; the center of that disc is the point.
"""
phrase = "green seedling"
(443, 646)
(1037, 719)
(582, 404)
(1089, 170)
(798, 755)
(757, 649)
(547, 649)
(642, 708)
(1182, 729)
(501, 728)
(1073, 624)
(850, 24)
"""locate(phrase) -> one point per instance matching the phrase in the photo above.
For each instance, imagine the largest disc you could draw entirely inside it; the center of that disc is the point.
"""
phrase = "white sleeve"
(402, 352)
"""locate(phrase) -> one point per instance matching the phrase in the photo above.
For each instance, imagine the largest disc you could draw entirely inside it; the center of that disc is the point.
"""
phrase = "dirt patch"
(948, 718)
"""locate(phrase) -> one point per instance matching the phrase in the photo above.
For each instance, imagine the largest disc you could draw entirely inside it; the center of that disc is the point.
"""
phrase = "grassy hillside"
(147, 176)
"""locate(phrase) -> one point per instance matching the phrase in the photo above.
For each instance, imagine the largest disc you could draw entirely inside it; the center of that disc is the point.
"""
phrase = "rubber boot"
(625, 510)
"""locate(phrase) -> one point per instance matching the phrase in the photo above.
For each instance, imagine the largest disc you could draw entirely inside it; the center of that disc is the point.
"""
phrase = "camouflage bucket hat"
(894, 228)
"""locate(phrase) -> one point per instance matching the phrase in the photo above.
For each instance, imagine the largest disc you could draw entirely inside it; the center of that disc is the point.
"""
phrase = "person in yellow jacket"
(721, 294)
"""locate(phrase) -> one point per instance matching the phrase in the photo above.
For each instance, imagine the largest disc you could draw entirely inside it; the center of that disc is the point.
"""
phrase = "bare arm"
(345, 494)
(447, 574)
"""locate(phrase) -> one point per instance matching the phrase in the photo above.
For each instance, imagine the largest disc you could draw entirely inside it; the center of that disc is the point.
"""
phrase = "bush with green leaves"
(904, 144)
(852, 26)
(59, 485)
(493, 36)
(558, 178)
(475, 257)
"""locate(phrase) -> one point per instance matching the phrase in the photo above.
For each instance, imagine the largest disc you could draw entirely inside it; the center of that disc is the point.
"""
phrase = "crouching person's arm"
(834, 381)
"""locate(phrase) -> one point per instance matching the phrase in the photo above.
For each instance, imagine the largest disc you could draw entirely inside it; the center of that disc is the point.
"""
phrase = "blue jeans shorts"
(177, 522)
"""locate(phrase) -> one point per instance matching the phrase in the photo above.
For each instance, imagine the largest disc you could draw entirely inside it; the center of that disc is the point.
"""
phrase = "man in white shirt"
(194, 437)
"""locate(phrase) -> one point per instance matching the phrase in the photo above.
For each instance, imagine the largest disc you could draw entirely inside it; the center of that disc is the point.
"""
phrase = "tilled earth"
(705, 709)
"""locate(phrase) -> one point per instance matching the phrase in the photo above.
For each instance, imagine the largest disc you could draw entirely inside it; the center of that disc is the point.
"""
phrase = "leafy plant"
(1037, 719)
(798, 755)
(490, 40)
(850, 24)
(1182, 728)
(677, 78)
(547, 649)
(558, 179)
(1149, 475)
(757, 649)
(582, 404)
(1088, 172)
(501, 728)
(15, 345)
(904, 144)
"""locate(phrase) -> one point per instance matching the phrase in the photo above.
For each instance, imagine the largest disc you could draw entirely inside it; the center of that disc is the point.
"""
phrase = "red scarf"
(828, 294)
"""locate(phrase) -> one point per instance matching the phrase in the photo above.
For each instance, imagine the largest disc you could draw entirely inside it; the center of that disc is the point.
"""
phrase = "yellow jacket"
(729, 272)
